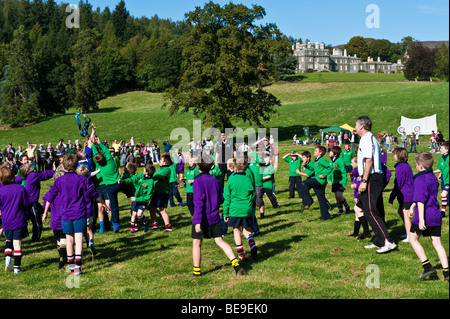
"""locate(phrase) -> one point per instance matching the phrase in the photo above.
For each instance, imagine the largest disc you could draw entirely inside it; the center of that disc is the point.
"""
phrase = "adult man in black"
(224, 150)
(370, 170)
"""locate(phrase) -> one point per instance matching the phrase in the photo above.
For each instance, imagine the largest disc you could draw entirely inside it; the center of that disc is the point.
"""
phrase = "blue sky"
(329, 21)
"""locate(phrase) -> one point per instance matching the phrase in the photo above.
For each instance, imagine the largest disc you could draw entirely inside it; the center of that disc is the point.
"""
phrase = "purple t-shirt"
(357, 181)
(403, 183)
(75, 191)
(14, 202)
(55, 217)
(207, 200)
(426, 191)
(32, 183)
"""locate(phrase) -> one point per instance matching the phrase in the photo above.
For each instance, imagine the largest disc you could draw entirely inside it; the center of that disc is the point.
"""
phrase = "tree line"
(47, 67)
(421, 62)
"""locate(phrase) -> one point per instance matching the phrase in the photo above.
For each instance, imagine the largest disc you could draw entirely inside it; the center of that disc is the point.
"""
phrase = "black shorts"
(246, 222)
(337, 188)
(208, 231)
(406, 205)
(434, 231)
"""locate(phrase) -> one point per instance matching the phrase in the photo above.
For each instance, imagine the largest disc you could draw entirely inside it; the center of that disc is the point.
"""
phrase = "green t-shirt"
(268, 171)
(144, 187)
(190, 175)
(443, 167)
(347, 157)
(239, 195)
(338, 173)
(294, 165)
(321, 167)
(162, 178)
(109, 172)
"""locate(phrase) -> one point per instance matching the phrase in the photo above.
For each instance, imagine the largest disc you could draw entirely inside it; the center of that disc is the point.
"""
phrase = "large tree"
(19, 101)
(420, 63)
(86, 63)
(227, 61)
(442, 63)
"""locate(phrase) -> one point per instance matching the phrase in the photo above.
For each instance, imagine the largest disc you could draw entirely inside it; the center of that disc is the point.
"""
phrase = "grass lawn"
(300, 257)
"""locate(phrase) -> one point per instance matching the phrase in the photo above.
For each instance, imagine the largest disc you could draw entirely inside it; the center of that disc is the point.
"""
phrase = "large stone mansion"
(317, 58)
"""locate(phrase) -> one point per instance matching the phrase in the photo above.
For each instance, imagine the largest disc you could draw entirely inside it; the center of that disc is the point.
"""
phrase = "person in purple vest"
(32, 184)
(14, 205)
(74, 191)
(403, 187)
(206, 219)
(427, 219)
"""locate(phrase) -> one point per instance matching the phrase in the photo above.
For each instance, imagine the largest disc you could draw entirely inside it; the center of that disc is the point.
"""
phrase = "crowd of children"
(86, 184)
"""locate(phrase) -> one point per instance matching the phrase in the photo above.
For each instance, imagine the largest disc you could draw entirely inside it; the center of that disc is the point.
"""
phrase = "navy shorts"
(159, 200)
(74, 226)
(135, 206)
(16, 234)
(246, 222)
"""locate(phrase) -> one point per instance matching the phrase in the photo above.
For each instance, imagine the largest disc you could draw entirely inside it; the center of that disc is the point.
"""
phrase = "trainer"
(372, 184)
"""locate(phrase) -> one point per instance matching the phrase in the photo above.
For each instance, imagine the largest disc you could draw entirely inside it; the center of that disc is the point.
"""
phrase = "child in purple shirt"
(14, 205)
(32, 182)
(403, 187)
(75, 191)
(55, 223)
(360, 219)
(427, 216)
(206, 219)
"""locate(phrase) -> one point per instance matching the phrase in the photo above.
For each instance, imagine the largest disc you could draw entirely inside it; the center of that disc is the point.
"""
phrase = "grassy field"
(300, 257)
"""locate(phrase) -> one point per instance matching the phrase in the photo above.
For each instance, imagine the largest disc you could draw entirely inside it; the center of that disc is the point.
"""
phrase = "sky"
(329, 21)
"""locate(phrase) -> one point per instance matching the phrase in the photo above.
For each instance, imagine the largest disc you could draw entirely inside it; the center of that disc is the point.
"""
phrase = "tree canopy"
(228, 58)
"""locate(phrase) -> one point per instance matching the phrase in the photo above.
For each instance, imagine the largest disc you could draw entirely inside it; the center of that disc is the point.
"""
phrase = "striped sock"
(78, 262)
(426, 264)
(132, 226)
(70, 261)
(169, 227)
(196, 271)
(155, 225)
(17, 259)
(347, 206)
(240, 251)
(235, 262)
(8, 254)
(251, 242)
(340, 208)
(444, 203)
(143, 219)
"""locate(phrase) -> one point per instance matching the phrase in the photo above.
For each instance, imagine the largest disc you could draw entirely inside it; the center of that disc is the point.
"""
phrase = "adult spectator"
(370, 170)
(224, 150)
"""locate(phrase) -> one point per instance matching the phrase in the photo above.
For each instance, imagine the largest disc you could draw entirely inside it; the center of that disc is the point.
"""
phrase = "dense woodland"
(46, 67)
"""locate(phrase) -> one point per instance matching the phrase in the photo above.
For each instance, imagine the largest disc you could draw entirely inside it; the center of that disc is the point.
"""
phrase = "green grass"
(300, 256)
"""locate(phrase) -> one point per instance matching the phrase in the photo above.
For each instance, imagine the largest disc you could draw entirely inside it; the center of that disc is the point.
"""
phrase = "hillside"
(318, 101)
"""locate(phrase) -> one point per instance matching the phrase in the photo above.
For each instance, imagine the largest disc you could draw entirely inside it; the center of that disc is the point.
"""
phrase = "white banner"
(423, 126)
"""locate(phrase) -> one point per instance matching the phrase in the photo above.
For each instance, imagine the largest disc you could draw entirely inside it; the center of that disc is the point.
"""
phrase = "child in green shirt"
(338, 179)
(143, 184)
(318, 181)
(268, 177)
(295, 179)
(443, 170)
(160, 197)
(238, 208)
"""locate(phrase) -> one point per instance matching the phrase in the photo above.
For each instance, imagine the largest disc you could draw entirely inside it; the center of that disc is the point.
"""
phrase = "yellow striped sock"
(196, 271)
